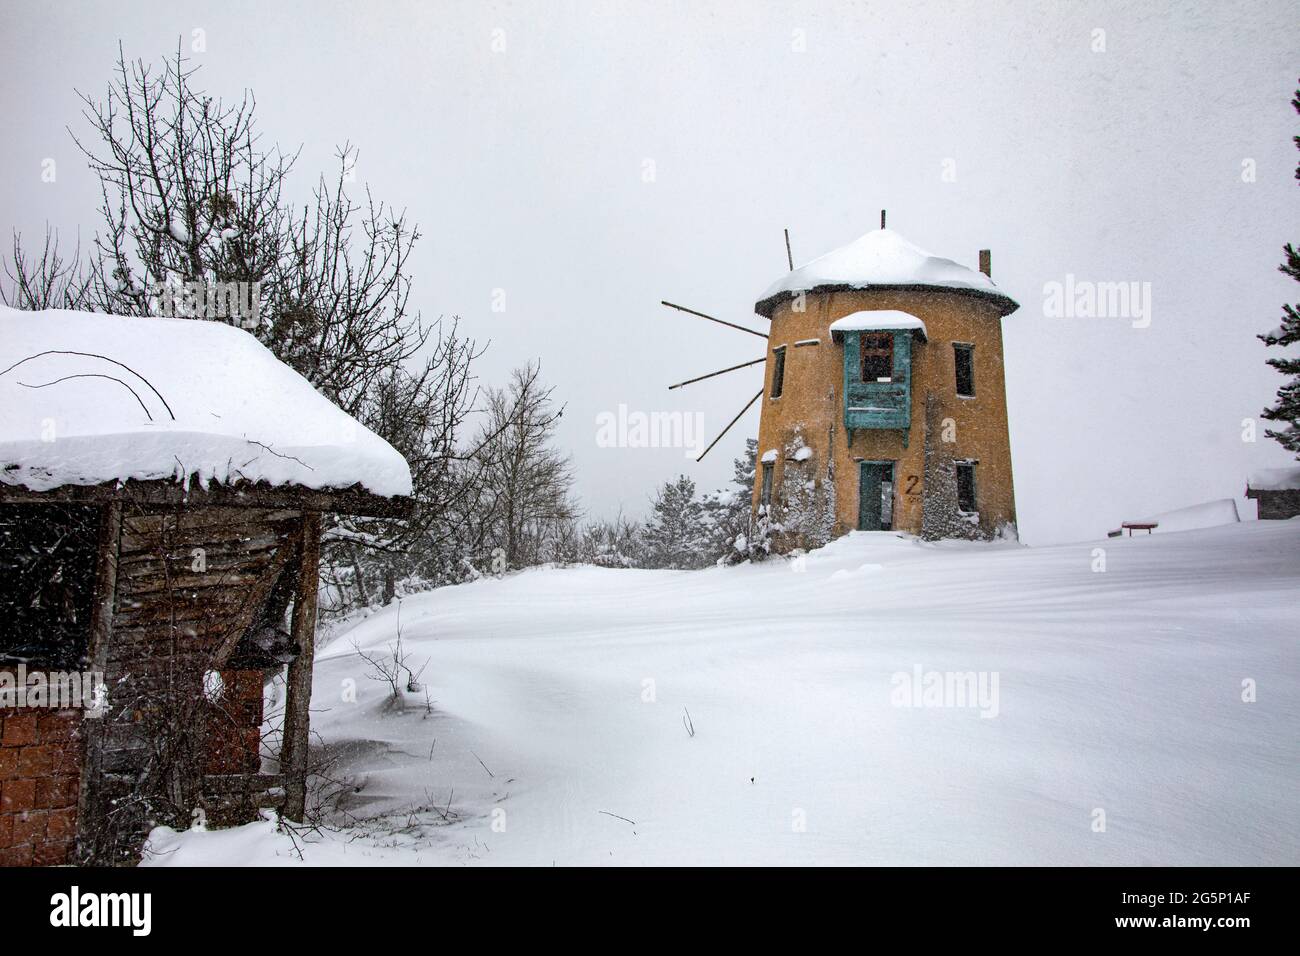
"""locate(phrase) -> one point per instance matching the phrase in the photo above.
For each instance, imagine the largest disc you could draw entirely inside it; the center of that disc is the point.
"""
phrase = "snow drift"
(1137, 710)
(1207, 514)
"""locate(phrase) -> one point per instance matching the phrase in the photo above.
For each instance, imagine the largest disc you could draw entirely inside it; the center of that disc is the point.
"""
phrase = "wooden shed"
(1276, 492)
(151, 604)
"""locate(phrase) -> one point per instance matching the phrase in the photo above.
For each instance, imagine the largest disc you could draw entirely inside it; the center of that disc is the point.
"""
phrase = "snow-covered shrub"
(806, 504)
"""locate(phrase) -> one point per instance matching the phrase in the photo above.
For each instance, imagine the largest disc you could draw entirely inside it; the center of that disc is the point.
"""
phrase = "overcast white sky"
(525, 168)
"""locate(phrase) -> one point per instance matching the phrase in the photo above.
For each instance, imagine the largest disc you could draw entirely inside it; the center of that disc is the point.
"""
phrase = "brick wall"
(40, 766)
(234, 725)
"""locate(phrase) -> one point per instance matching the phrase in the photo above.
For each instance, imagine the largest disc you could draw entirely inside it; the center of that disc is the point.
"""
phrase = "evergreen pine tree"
(675, 535)
(727, 512)
(1287, 408)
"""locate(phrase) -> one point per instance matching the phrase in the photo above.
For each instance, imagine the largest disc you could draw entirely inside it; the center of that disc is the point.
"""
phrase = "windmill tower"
(885, 392)
(884, 404)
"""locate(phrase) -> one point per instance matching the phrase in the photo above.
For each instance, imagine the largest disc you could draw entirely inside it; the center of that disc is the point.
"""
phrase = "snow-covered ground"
(1208, 514)
(556, 734)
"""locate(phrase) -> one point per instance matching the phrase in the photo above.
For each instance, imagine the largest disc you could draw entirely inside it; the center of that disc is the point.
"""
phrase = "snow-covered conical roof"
(882, 259)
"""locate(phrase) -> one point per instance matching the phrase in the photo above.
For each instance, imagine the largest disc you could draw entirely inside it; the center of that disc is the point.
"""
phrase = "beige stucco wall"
(811, 403)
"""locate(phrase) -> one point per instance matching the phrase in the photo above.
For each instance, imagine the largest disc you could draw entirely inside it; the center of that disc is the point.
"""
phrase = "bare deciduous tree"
(48, 282)
(526, 481)
(191, 200)
(187, 193)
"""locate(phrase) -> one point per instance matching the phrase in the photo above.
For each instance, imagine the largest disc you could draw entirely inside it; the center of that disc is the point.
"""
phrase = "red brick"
(64, 764)
(6, 830)
(17, 796)
(16, 856)
(61, 824)
(65, 759)
(55, 793)
(57, 853)
(245, 685)
(29, 827)
(19, 731)
(57, 727)
(8, 762)
(35, 761)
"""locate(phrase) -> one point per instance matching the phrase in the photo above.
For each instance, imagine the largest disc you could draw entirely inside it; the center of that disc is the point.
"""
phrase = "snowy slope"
(1208, 514)
(1118, 690)
(86, 399)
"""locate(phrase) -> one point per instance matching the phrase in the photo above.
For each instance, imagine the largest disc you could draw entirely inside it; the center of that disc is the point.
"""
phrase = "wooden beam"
(166, 492)
(101, 632)
(254, 600)
(724, 371)
(729, 424)
(789, 256)
(297, 726)
(730, 325)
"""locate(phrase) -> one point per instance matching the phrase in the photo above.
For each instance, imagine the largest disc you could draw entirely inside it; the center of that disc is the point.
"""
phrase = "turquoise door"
(875, 479)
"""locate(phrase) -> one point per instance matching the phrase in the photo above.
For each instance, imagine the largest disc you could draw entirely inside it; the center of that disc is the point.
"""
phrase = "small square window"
(877, 357)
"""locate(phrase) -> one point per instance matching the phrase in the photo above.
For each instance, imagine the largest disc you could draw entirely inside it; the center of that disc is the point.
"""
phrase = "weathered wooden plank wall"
(189, 584)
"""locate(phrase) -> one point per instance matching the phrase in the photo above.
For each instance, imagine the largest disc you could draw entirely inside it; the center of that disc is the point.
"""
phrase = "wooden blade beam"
(724, 371)
(730, 325)
(729, 424)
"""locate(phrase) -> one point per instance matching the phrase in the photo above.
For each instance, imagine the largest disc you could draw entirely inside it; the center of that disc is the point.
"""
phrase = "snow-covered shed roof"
(88, 399)
(882, 260)
(1275, 479)
(878, 320)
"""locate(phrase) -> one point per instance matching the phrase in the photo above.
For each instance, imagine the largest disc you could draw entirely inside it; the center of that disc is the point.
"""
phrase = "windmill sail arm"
(724, 371)
(729, 424)
(730, 325)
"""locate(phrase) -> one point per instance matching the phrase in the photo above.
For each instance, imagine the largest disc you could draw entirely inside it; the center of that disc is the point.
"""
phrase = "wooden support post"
(297, 725)
(101, 630)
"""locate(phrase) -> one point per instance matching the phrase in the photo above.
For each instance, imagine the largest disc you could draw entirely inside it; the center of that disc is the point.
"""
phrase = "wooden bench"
(1132, 526)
